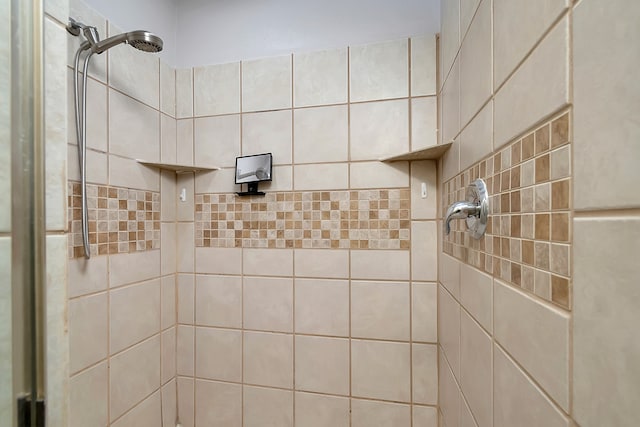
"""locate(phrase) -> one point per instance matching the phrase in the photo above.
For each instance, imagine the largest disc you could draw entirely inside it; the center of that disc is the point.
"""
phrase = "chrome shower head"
(140, 39)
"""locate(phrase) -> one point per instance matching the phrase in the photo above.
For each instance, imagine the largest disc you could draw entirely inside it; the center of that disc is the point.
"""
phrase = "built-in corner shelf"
(178, 168)
(430, 153)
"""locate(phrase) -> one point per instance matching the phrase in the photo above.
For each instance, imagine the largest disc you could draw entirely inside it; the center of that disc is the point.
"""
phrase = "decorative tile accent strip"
(528, 239)
(364, 219)
(121, 220)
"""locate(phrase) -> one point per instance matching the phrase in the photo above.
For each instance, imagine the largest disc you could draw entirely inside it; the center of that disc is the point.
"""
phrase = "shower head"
(140, 39)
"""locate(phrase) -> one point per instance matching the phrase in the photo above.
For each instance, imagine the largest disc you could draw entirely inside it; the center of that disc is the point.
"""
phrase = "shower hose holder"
(475, 210)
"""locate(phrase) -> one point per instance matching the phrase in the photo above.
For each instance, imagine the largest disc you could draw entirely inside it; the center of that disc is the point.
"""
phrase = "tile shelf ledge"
(178, 168)
(430, 153)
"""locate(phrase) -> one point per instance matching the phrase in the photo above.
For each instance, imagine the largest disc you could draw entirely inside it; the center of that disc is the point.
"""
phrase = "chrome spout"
(460, 210)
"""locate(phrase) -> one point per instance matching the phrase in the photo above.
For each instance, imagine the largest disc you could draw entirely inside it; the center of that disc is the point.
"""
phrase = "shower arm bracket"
(475, 210)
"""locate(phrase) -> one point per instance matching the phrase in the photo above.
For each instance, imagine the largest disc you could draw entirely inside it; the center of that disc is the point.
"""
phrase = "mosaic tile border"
(528, 238)
(121, 220)
(363, 219)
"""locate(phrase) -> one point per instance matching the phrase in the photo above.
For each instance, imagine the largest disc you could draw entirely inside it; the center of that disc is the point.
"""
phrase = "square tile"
(268, 359)
(379, 71)
(322, 365)
(320, 77)
(218, 354)
(266, 84)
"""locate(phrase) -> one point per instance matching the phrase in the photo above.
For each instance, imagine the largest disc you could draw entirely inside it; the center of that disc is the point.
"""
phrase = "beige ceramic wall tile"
(379, 71)
(518, 400)
(379, 175)
(476, 295)
(185, 210)
(86, 277)
(184, 93)
(168, 196)
(219, 260)
(268, 262)
(448, 392)
(97, 168)
(219, 354)
(134, 72)
(475, 64)
(268, 132)
(266, 84)
(331, 176)
(380, 265)
(167, 89)
(265, 407)
(168, 356)
(133, 128)
(168, 248)
(186, 298)
(466, 417)
(130, 174)
(321, 134)
(425, 416)
(449, 37)
(185, 257)
(517, 26)
(184, 142)
(322, 365)
(185, 344)
(168, 139)
(424, 123)
(320, 78)
(217, 141)
(88, 397)
(333, 263)
(467, 11)
(282, 180)
(380, 370)
(451, 160)
(219, 301)
(82, 12)
(425, 373)
(537, 336)
(316, 410)
(216, 89)
(423, 65)
(169, 403)
(268, 359)
(5, 128)
(476, 140)
(186, 401)
(218, 404)
(146, 414)
(424, 312)
(450, 105)
(535, 90)
(449, 329)
(449, 274)
(379, 129)
(322, 307)
(424, 251)
(380, 310)
(88, 330)
(423, 171)
(168, 286)
(268, 304)
(613, 185)
(476, 369)
(134, 374)
(368, 413)
(605, 318)
(134, 314)
(96, 136)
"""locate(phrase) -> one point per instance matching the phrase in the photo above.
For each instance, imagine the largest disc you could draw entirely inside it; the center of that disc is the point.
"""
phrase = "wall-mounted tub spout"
(475, 210)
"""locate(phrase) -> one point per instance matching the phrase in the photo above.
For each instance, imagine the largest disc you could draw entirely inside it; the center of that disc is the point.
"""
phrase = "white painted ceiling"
(202, 32)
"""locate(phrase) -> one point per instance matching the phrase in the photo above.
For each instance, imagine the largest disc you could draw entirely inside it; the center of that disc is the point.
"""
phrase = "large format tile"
(87, 276)
(184, 93)
(265, 407)
(332, 263)
(423, 65)
(450, 106)
(378, 175)
(517, 26)
(268, 359)
(316, 410)
(167, 89)
(267, 262)
(536, 89)
(381, 370)
(425, 373)
(219, 354)
(332, 176)
(476, 295)
(268, 132)
(379, 129)
(185, 344)
(218, 301)
(219, 260)
(537, 336)
(449, 329)
(476, 376)
(128, 173)
(366, 413)
(268, 303)
(476, 140)
(612, 118)
(322, 307)
(266, 84)
(380, 310)
(147, 267)
(320, 78)
(88, 330)
(134, 128)
(88, 397)
(448, 392)
(218, 404)
(424, 312)
(217, 140)
(449, 37)
(380, 265)
(424, 122)
(147, 413)
(321, 134)
(216, 89)
(424, 251)
(606, 298)
(322, 365)
(379, 71)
